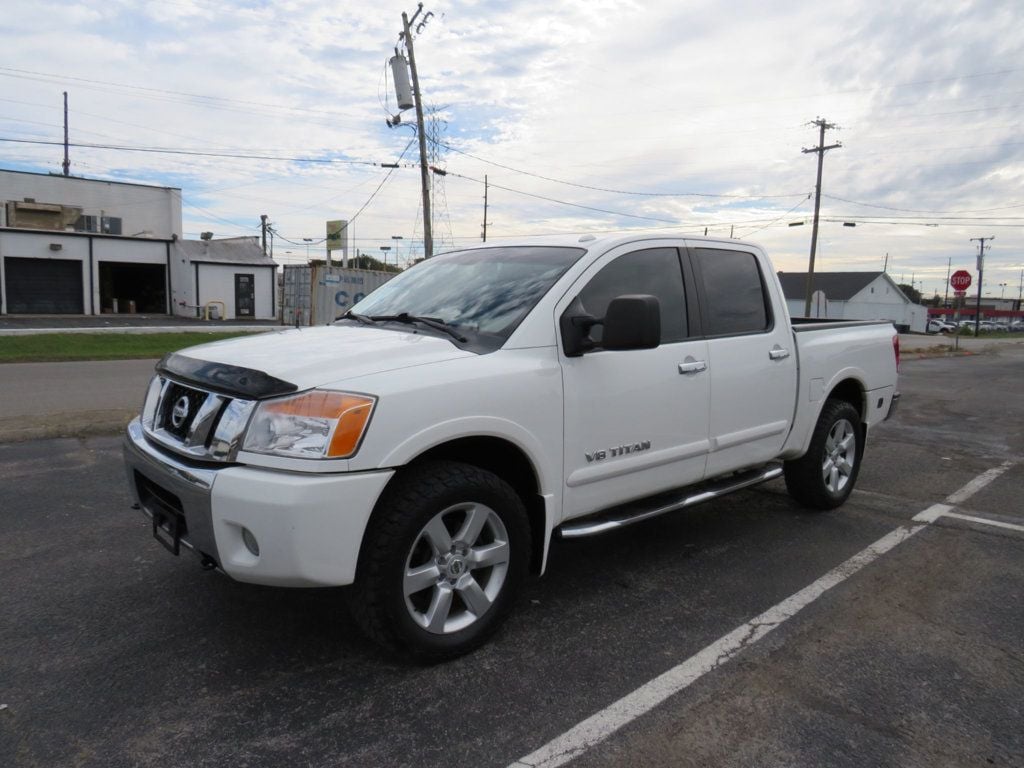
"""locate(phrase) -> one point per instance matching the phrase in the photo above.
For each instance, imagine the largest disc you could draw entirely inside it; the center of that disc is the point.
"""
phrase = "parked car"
(938, 325)
(427, 446)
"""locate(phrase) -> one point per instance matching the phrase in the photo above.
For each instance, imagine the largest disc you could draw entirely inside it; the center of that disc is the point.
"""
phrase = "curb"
(80, 424)
(146, 329)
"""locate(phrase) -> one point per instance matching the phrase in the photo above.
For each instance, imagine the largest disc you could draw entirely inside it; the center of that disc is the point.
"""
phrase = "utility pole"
(885, 264)
(821, 149)
(949, 266)
(485, 207)
(981, 273)
(428, 248)
(67, 161)
(263, 226)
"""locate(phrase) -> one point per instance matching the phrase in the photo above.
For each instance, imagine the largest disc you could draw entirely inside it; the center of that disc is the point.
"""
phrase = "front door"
(245, 296)
(636, 421)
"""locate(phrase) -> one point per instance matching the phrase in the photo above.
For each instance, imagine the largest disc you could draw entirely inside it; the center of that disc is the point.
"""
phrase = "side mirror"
(632, 322)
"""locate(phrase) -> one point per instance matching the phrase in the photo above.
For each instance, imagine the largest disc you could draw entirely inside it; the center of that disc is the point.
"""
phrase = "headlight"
(314, 425)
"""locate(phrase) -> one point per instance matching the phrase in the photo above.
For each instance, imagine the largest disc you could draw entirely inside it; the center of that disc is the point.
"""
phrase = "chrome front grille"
(179, 410)
(195, 422)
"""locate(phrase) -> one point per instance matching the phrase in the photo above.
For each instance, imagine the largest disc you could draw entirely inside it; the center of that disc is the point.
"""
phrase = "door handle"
(693, 366)
(778, 353)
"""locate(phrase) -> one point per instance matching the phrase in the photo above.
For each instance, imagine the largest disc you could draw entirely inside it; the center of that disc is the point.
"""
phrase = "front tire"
(824, 477)
(442, 560)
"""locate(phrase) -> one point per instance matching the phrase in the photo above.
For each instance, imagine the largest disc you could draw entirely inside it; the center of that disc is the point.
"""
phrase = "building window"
(108, 225)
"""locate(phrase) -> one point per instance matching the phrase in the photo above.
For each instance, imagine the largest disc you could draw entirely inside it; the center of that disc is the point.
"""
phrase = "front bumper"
(308, 527)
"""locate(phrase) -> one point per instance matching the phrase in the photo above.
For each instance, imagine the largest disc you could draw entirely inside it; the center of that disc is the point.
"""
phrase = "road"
(114, 653)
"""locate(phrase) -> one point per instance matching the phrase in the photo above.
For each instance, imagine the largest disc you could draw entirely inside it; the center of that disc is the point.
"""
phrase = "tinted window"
(484, 292)
(655, 271)
(734, 292)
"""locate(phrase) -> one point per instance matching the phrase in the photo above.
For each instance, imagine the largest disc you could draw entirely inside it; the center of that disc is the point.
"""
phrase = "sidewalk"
(41, 400)
(938, 344)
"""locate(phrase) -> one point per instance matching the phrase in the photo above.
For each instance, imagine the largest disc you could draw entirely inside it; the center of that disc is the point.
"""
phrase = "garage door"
(43, 286)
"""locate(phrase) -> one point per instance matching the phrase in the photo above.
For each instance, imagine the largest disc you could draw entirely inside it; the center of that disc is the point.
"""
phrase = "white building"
(70, 245)
(853, 296)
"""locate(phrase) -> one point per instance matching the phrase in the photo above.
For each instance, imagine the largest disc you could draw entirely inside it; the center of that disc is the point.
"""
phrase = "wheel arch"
(506, 460)
(847, 386)
(850, 390)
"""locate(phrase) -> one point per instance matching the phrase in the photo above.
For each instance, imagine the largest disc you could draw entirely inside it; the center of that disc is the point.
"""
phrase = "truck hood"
(312, 357)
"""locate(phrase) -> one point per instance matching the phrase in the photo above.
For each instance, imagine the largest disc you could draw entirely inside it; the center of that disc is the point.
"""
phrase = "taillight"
(896, 350)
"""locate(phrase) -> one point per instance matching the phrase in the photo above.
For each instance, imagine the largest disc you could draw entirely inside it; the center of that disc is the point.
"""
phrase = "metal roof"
(229, 250)
(837, 286)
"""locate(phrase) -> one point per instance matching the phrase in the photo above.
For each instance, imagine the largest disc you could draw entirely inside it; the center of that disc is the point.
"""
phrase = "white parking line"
(978, 483)
(598, 727)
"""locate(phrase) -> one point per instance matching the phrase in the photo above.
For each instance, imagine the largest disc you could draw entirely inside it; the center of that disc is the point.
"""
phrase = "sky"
(673, 117)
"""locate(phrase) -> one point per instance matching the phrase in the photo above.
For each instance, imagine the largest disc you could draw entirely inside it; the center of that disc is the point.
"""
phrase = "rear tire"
(824, 477)
(441, 562)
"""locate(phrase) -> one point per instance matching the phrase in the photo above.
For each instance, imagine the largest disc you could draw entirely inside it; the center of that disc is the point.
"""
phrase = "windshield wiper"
(350, 315)
(430, 322)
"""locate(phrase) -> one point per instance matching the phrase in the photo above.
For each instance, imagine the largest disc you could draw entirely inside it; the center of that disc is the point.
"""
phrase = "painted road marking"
(930, 516)
(978, 483)
(598, 727)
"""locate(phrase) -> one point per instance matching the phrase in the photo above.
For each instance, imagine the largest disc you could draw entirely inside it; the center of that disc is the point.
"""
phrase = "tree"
(910, 292)
(362, 261)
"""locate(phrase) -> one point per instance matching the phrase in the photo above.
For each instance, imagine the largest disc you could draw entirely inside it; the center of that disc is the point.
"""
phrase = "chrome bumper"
(159, 482)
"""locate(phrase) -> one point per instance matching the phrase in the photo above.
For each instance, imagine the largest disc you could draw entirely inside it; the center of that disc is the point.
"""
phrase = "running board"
(627, 514)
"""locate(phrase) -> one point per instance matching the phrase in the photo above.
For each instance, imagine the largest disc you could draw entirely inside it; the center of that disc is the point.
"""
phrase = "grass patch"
(60, 347)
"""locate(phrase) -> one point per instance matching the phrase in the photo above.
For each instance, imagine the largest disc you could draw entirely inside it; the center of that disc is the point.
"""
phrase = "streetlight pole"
(396, 238)
(385, 249)
(307, 241)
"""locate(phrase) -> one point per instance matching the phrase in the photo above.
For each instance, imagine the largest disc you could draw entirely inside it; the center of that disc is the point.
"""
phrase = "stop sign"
(961, 280)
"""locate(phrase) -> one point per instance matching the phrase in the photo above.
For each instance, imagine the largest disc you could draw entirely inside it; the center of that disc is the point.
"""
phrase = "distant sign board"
(337, 237)
(960, 280)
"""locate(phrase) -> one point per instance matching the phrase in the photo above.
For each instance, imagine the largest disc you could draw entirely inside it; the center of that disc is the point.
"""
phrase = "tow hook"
(208, 563)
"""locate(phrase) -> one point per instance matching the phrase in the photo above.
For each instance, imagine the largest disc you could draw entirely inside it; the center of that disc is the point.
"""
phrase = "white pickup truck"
(426, 446)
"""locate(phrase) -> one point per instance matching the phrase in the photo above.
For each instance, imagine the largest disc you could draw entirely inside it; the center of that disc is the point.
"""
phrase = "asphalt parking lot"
(747, 632)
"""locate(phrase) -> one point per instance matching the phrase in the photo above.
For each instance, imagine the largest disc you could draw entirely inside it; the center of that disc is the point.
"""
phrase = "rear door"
(751, 356)
(636, 421)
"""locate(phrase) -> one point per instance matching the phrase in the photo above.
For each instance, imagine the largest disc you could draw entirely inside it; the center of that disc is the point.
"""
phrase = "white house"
(853, 296)
(70, 245)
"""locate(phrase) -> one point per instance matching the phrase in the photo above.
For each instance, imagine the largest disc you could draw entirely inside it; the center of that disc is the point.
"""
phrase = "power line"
(34, 75)
(196, 153)
(564, 202)
(918, 210)
(606, 189)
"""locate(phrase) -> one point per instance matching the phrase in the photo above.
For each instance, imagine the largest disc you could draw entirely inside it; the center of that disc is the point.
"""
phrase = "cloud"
(638, 97)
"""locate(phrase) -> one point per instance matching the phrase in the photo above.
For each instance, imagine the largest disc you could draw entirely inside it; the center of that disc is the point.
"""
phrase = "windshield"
(484, 292)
